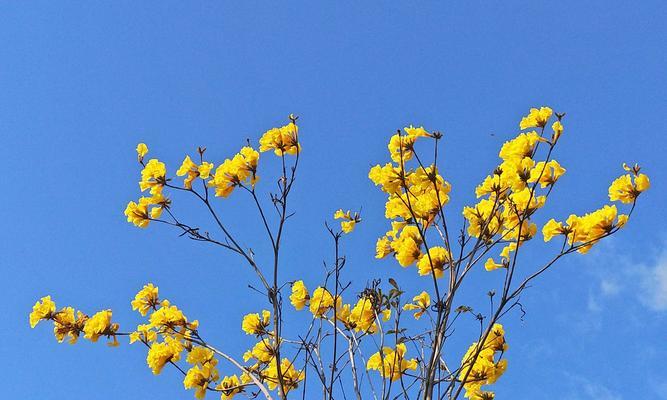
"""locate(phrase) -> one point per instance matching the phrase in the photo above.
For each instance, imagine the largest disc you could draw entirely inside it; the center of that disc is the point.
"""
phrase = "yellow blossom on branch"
(349, 220)
(536, 118)
(43, 309)
(420, 303)
(229, 386)
(283, 140)
(161, 353)
(254, 324)
(142, 150)
(100, 325)
(299, 295)
(391, 363)
(194, 171)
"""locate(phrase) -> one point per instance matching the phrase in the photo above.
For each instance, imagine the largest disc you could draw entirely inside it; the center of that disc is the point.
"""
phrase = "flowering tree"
(364, 348)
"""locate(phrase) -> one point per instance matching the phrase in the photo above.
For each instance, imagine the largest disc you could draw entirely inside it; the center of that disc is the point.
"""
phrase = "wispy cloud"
(654, 284)
(587, 389)
(645, 280)
(598, 391)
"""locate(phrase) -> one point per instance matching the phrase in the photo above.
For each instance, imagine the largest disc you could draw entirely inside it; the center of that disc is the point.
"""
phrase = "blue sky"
(81, 84)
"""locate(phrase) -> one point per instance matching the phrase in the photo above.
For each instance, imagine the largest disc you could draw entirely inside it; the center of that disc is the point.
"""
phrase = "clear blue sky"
(81, 84)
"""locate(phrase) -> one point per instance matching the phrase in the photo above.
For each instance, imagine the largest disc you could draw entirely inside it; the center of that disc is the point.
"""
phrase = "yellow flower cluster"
(415, 200)
(349, 220)
(627, 188)
(146, 299)
(321, 302)
(509, 195)
(68, 323)
(585, 231)
(391, 363)
(362, 317)
(536, 118)
(153, 178)
(203, 372)
(235, 172)
(253, 324)
(266, 366)
(484, 369)
(232, 173)
(194, 171)
(168, 323)
(283, 140)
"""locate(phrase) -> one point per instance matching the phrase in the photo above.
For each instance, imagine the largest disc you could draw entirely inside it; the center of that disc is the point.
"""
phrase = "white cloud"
(609, 288)
(654, 284)
(646, 279)
(587, 389)
(599, 392)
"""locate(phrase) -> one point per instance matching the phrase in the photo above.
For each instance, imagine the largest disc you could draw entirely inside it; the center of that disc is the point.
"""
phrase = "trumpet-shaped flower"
(391, 363)
(43, 309)
(420, 303)
(299, 295)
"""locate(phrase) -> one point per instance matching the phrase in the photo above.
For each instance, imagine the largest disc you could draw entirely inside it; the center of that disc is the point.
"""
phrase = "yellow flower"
(407, 246)
(253, 324)
(536, 118)
(147, 209)
(484, 219)
(168, 316)
(235, 172)
(153, 177)
(291, 376)
(483, 370)
(263, 351)
(299, 295)
(553, 228)
(587, 230)
(193, 170)
(200, 356)
(43, 309)
(142, 150)
(421, 303)
(65, 323)
(100, 325)
(349, 220)
(229, 387)
(491, 265)
(558, 131)
(283, 140)
(146, 299)
(144, 333)
(160, 354)
(383, 247)
(520, 147)
(199, 378)
(436, 264)
(388, 177)
(362, 317)
(401, 146)
(391, 363)
(321, 301)
(547, 175)
(626, 189)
